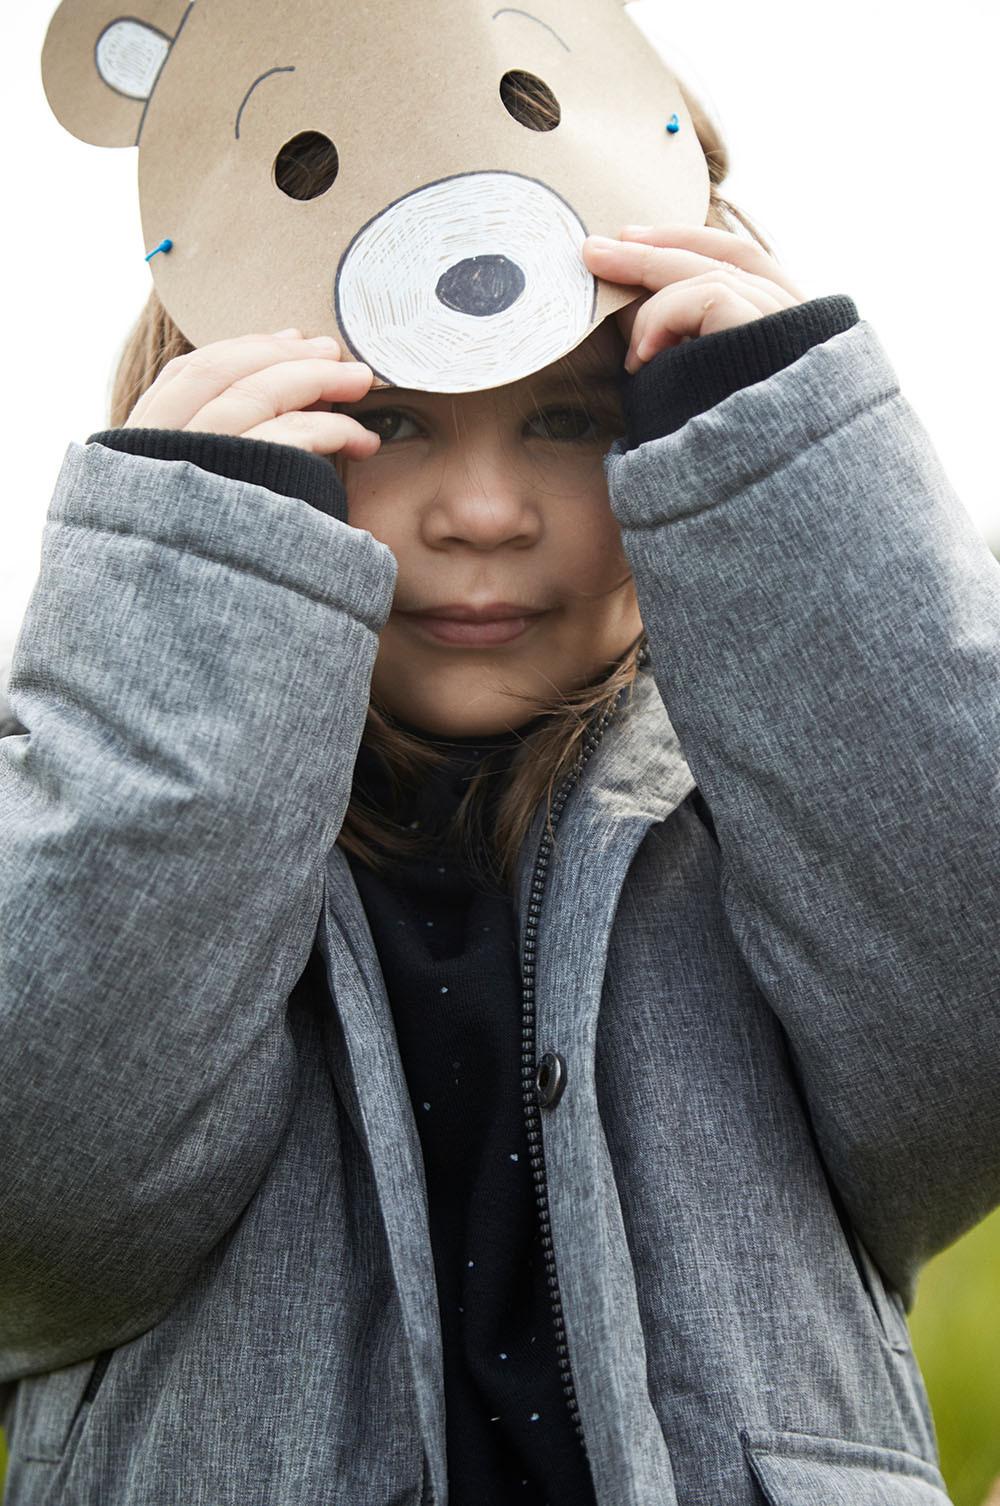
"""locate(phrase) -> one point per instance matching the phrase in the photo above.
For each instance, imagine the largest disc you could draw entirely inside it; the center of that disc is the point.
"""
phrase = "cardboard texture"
(444, 247)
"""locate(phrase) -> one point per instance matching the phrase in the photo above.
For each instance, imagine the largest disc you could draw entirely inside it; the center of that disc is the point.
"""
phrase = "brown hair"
(560, 723)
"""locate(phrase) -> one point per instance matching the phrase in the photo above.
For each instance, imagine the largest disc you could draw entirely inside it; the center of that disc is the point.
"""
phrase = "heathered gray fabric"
(781, 1050)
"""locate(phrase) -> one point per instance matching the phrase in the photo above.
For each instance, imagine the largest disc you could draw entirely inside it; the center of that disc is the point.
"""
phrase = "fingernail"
(326, 341)
(292, 331)
(602, 243)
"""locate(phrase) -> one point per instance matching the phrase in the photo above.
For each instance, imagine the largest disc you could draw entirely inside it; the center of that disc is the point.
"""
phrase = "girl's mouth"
(472, 634)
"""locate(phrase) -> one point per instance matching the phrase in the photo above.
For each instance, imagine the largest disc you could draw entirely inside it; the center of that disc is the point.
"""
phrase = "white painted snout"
(467, 283)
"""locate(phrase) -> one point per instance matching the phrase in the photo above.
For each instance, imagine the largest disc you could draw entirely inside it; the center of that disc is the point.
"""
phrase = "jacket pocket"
(804, 1469)
(46, 1407)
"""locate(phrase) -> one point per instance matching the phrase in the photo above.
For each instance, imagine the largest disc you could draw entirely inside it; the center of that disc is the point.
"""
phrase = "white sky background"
(864, 145)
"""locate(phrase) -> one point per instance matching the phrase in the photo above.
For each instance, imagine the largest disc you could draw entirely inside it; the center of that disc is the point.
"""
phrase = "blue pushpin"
(166, 245)
(673, 125)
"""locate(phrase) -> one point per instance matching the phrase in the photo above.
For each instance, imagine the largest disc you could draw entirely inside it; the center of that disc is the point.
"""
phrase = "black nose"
(481, 285)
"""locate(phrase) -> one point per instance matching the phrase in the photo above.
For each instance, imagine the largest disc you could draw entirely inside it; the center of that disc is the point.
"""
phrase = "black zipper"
(531, 1070)
(96, 1376)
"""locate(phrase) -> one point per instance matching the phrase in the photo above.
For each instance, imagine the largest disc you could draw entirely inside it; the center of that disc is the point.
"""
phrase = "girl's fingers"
(188, 382)
(282, 388)
(756, 290)
(172, 368)
(724, 246)
(765, 294)
(693, 309)
(320, 433)
(648, 264)
(747, 283)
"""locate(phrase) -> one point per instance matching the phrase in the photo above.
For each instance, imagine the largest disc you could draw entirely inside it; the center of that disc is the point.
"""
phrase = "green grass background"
(955, 1325)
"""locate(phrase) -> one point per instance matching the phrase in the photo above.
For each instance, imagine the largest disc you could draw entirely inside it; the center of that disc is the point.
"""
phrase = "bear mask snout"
(467, 282)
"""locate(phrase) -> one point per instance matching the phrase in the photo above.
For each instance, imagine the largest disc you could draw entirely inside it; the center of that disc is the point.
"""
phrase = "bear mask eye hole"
(529, 101)
(306, 166)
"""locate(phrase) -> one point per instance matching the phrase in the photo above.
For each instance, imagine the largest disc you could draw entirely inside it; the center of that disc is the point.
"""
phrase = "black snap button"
(550, 1079)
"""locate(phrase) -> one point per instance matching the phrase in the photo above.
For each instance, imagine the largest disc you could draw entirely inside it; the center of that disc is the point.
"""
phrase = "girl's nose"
(485, 509)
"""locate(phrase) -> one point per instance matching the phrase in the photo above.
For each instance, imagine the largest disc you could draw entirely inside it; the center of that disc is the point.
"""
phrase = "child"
(521, 1063)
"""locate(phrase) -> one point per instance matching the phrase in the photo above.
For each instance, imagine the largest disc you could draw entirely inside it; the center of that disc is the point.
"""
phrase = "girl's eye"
(381, 420)
(573, 425)
(570, 424)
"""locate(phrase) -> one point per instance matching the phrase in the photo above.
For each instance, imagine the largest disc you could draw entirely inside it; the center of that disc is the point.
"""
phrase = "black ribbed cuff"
(281, 468)
(685, 380)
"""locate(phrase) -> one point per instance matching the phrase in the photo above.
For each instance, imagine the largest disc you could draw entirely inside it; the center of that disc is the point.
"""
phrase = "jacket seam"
(754, 478)
(214, 559)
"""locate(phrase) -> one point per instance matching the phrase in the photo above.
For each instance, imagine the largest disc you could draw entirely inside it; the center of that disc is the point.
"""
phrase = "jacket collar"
(637, 773)
(634, 776)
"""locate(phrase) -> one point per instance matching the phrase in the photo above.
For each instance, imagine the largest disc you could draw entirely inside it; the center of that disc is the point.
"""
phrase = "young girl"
(498, 984)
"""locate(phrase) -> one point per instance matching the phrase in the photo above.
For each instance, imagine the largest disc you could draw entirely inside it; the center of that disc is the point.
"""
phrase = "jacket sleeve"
(193, 670)
(824, 626)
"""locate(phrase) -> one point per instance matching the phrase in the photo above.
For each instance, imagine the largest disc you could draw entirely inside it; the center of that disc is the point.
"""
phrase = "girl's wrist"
(688, 379)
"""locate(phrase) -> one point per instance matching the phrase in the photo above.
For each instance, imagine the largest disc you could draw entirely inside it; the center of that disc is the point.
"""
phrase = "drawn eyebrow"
(252, 87)
(511, 10)
(508, 10)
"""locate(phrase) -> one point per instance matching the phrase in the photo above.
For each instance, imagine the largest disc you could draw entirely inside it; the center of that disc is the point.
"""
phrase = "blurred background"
(862, 144)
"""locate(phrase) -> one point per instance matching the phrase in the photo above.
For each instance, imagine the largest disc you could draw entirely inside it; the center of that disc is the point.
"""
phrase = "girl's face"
(489, 497)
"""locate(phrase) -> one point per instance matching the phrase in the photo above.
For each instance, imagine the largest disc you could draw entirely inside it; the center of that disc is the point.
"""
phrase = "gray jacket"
(780, 1049)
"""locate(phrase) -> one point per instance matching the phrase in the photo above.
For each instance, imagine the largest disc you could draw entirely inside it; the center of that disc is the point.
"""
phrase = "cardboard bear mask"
(441, 237)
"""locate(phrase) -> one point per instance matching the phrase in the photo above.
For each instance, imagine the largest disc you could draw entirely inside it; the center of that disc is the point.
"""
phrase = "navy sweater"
(447, 948)
(448, 953)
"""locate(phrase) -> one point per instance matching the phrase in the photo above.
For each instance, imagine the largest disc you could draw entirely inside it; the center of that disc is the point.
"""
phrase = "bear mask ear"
(100, 67)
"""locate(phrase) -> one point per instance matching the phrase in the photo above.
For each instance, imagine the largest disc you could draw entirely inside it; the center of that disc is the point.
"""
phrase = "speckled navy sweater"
(447, 948)
(448, 953)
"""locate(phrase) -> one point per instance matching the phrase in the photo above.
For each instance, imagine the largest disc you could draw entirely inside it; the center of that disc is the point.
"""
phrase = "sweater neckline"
(470, 747)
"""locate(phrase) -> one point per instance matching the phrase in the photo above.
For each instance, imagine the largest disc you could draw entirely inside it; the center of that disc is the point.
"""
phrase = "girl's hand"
(701, 280)
(272, 387)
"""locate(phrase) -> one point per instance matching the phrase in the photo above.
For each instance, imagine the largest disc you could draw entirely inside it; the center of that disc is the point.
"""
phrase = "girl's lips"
(479, 634)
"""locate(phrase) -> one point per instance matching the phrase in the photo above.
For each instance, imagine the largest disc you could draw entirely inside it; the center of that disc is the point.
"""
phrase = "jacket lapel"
(636, 776)
(364, 1061)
